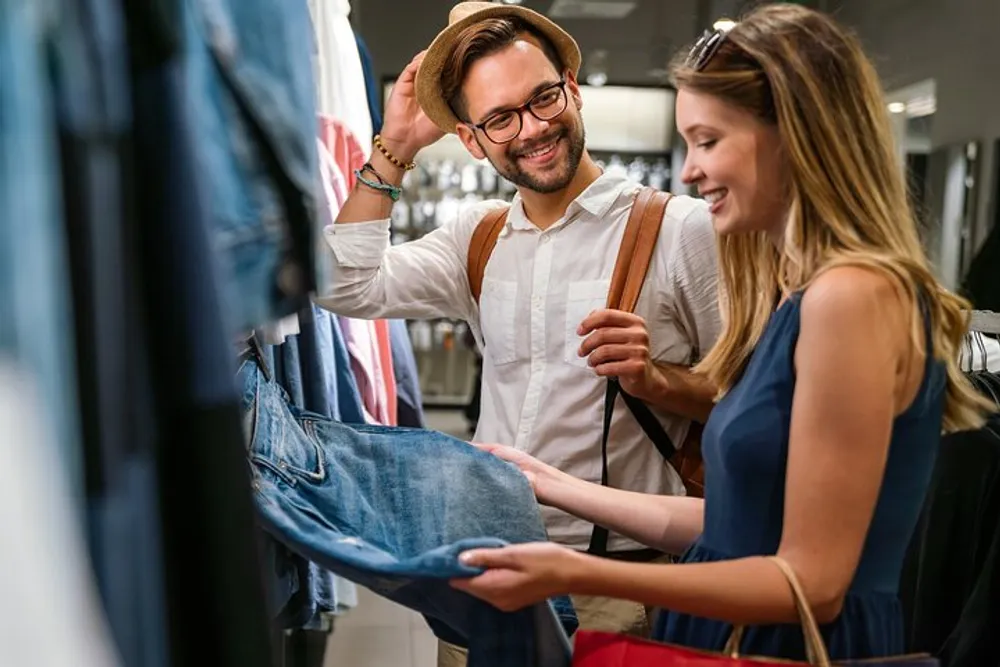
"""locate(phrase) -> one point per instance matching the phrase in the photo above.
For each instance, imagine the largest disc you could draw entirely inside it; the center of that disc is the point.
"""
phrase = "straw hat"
(462, 15)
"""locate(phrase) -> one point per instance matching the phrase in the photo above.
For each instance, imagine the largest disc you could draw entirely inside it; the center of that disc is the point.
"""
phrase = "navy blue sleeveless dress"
(745, 449)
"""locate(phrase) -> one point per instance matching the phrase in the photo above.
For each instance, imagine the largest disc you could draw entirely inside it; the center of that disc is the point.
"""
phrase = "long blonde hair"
(798, 69)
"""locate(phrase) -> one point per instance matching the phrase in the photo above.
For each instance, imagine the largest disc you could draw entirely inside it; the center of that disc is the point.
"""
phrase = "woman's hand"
(522, 574)
(540, 475)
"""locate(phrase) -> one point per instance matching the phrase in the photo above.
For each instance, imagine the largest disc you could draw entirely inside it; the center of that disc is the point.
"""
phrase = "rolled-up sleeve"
(358, 245)
(425, 278)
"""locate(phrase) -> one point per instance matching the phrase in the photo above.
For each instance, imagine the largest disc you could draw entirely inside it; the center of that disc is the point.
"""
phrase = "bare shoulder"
(852, 296)
(857, 313)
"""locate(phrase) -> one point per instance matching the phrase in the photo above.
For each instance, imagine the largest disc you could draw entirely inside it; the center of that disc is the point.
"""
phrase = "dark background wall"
(949, 41)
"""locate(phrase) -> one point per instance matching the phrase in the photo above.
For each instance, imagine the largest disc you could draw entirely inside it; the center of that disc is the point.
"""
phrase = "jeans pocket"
(291, 449)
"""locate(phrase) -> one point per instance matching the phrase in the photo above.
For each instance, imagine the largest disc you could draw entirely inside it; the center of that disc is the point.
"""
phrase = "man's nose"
(531, 127)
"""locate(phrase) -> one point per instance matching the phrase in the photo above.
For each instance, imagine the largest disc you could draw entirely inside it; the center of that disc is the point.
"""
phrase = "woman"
(836, 363)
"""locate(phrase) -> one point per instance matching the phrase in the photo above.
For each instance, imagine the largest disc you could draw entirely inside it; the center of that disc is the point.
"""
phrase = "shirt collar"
(597, 199)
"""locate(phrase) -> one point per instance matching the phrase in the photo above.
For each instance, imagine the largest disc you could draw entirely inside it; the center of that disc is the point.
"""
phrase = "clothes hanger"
(984, 321)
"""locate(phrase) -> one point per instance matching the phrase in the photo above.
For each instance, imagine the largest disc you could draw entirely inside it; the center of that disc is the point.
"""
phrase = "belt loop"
(252, 348)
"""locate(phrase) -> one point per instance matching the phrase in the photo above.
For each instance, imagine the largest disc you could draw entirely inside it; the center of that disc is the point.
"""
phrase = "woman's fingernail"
(467, 558)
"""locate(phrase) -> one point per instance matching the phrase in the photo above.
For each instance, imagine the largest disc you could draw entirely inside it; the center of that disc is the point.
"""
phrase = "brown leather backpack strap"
(636, 251)
(484, 239)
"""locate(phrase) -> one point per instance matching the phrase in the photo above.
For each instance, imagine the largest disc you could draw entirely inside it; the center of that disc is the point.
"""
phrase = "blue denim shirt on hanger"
(391, 509)
(253, 94)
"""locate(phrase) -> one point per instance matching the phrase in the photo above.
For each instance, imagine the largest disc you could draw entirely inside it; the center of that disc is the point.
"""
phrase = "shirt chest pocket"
(582, 298)
(497, 310)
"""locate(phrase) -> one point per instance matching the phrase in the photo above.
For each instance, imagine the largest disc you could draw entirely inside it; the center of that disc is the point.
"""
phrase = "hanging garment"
(253, 114)
(362, 344)
(980, 352)
(215, 598)
(35, 308)
(45, 572)
(391, 509)
(345, 148)
(409, 402)
(950, 585)
(116, 398)
(371, 85)
(340, 76)
(307, 373)
(384, 345)
(980, 285)
(349, 402)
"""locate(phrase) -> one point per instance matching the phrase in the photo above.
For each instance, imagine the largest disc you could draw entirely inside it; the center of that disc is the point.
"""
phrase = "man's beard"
(555, 180)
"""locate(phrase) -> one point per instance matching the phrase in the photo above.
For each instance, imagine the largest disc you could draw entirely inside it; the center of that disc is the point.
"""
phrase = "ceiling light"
(724, 25)
(597, 79)
(897, 107)
(919, 107)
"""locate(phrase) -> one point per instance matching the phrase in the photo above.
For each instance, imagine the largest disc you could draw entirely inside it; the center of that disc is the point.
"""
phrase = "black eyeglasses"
(505, 126)
(706, 47)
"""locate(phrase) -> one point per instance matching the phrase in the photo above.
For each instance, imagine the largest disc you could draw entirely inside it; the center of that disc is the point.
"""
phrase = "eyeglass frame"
(519, 112)
(706, 47)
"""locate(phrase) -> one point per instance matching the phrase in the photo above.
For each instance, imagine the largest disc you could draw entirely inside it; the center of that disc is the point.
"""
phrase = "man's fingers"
(608, 318)
(410, 72)
(620, 369)
(609, 353)
(617, 336)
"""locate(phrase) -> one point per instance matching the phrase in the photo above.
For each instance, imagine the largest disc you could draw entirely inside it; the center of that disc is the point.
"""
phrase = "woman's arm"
(854, 338)
(667, 523)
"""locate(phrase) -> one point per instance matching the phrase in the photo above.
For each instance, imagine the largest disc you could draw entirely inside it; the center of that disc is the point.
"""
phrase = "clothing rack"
(985, 321)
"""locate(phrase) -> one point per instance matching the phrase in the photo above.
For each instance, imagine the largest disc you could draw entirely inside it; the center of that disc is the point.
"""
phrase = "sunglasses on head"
(706, 47)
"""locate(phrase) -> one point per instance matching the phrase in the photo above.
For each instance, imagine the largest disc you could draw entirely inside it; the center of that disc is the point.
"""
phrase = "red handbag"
(601, 649)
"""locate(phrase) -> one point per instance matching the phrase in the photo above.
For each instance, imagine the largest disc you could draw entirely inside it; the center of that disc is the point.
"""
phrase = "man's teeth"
(713, 197)
(541, 151)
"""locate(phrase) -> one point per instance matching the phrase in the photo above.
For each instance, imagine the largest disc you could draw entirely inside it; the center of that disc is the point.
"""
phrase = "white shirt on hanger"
(980, 352)
(51, 610)
(340, 78)
(538, 394)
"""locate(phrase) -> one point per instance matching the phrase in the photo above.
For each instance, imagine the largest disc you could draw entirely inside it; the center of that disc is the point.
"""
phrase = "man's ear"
(468, 137)
(573, 89)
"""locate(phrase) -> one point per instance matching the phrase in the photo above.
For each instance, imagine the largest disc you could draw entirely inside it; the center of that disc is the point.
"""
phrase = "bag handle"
(816, 652)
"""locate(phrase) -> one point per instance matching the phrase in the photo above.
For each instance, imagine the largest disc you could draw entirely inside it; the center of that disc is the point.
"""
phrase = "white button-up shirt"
(538, 394)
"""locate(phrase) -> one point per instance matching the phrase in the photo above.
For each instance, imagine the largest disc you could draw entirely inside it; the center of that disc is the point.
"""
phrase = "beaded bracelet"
(406, 166)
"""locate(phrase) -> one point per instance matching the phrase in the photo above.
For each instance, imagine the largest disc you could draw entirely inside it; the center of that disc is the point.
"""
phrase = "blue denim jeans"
(304, 368)
(391, 509)
(249, 69)
(35, 312)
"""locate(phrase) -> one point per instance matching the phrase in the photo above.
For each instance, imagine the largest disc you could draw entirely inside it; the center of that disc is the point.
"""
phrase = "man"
(504, 79)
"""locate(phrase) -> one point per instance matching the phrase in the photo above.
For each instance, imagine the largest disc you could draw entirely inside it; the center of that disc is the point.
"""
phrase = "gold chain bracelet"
(406, 166)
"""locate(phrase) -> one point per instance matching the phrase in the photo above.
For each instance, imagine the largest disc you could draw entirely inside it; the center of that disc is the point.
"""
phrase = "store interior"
(942, 81)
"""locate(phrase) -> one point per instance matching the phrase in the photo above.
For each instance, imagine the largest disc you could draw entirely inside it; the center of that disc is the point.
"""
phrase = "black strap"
(651, 426)
(653, 430)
